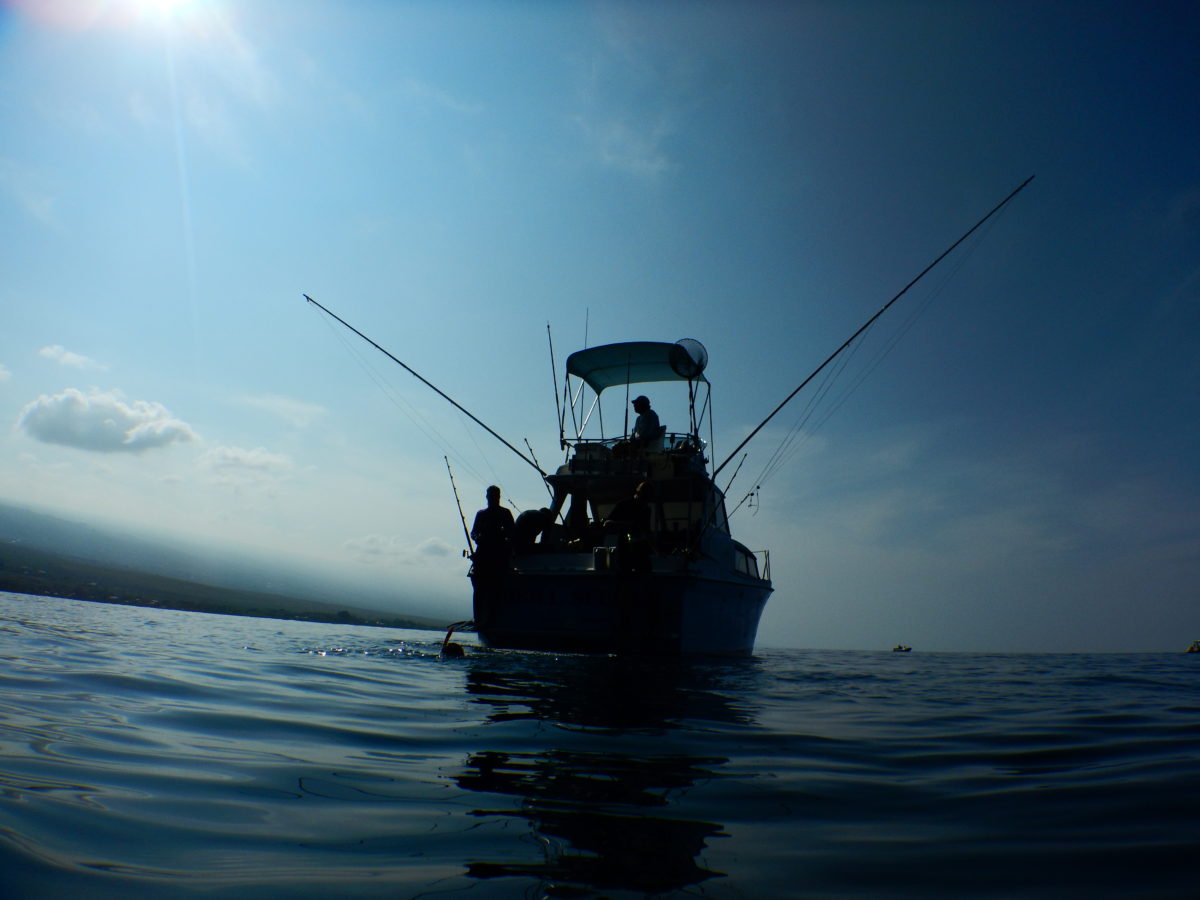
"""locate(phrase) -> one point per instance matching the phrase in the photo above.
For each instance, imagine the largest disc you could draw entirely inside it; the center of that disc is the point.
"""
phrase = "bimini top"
(636, 362)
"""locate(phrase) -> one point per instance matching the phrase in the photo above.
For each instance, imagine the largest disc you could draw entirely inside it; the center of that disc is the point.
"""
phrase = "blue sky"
(1018, 473)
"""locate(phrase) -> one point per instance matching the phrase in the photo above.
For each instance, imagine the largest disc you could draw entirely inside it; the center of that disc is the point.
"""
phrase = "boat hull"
(593, 612)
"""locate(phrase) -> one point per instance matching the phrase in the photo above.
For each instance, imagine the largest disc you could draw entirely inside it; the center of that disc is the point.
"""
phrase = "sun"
(163, 9)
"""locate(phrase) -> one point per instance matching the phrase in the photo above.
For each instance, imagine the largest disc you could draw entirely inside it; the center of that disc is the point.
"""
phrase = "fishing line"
(866, 325)
(891, 342)
(397, 399)
(794, 439)
(429, 384)
(469, 432)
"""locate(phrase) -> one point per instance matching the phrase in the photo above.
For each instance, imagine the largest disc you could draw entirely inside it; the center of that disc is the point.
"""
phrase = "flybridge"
(634, 362)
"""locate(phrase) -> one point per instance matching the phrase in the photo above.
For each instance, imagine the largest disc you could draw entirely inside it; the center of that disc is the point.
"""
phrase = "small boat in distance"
(1194, 647)
(900, 648)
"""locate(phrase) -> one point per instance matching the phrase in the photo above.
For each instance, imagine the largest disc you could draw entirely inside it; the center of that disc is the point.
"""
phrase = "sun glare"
(161, 9)
(88, 14)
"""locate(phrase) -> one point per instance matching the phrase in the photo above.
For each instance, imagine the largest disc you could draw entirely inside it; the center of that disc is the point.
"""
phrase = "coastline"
(26, 570)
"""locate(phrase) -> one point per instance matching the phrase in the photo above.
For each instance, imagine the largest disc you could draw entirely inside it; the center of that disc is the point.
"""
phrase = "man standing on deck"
(493, 533)
(630, 521)
(646, 428)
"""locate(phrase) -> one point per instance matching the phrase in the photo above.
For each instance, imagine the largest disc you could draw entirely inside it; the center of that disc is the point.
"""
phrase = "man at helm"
(647, 431)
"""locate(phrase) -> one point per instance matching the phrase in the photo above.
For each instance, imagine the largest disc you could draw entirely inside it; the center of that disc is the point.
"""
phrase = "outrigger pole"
(871, 321)
(428, 384)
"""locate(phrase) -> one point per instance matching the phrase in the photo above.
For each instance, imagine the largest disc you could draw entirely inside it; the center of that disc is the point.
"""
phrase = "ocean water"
(155, 753)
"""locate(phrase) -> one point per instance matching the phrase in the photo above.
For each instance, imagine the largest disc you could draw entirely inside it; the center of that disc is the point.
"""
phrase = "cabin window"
(745, 561)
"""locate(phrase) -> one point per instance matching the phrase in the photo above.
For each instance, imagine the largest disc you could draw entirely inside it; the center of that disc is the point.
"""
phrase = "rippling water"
(154, 753)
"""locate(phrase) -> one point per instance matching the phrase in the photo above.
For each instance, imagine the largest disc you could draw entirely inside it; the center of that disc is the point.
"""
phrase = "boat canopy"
(637, 362)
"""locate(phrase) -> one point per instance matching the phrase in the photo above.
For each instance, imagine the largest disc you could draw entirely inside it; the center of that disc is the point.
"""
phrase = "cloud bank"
(389, 551)
(241, 468)
(257, 460)
(296, 413)
(65, 357)
(102, 422)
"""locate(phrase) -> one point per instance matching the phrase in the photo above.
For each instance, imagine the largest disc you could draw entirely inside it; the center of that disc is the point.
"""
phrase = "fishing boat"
(584, 576)
(634, 553)
(1194, 647)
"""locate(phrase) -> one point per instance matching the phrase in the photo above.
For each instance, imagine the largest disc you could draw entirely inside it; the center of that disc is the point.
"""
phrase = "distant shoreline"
(26, 570)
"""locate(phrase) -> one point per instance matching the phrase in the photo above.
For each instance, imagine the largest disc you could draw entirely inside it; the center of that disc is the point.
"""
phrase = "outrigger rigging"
(867, 324)
(803, 384)
(634, 552)
(429, 384)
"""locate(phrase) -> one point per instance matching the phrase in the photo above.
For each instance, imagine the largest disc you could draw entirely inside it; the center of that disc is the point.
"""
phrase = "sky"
(1009, 462)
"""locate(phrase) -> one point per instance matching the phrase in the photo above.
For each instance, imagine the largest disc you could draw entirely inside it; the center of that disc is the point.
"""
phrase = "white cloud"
(211, 118)
(296, 413)
(141, 110)
(238, 465)
(631, 93)
(222, 84)
(234, 58)
(423, 91)
(102, 422)
(65, 357)
(632, 147)
(240, 458)
(29, 189)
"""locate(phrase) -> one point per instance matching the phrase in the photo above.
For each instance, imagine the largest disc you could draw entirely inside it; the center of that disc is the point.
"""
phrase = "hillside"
(28, 570)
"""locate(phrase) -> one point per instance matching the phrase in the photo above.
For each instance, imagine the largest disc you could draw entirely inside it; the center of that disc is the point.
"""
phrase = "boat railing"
(618, 456)
(672, 442)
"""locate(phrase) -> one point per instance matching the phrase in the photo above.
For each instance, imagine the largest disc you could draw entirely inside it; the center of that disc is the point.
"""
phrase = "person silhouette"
(629, 520)
(647, 431)
(493, 532)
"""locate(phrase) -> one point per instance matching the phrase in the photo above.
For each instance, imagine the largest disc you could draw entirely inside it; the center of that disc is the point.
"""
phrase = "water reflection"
(610, 693)
(600, 817)
(589, 811)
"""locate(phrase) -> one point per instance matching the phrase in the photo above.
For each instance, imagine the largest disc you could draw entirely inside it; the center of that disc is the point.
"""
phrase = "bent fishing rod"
(458, 502)
(429, 384)
(871, 321)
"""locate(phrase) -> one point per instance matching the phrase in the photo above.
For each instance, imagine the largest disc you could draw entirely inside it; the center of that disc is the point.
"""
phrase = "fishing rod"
(734, 476)
(428, 384)
(559, 412)
(871, 321)
(466, 533)
(535, 459)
